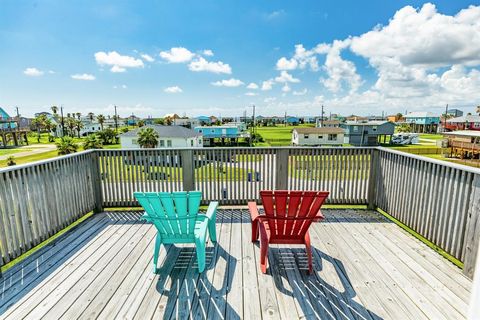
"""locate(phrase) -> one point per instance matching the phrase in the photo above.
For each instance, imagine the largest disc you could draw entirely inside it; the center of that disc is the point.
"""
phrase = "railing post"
(472, 234)
(372, 179)
(188, 170)
(96, 181)
(281, 169)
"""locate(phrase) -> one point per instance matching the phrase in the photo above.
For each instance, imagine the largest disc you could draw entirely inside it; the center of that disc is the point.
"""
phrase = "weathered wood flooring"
(365, 268)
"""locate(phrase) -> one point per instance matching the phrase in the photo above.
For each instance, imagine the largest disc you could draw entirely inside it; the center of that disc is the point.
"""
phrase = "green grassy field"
(278, 135)
(4, 152)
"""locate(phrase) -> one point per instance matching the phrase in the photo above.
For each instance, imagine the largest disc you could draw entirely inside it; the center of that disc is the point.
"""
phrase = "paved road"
(30, 150)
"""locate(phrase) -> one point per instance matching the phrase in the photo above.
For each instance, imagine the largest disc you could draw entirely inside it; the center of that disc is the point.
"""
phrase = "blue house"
(231, 131)
(4, 120)
(293, 121)
(424, 122)
(204, 120)
(367, 133)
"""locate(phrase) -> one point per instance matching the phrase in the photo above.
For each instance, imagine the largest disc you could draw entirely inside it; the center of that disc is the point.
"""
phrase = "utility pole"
(285, 119)
(321, 117)
(116, 120)
(18, 118)
(253, 121)
(62, 121)
(445, 118)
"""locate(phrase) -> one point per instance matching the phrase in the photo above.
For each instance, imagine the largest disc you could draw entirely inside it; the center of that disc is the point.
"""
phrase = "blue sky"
(351, 56)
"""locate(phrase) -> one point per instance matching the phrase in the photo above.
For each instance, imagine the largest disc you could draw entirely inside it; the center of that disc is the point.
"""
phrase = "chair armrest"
(253, 209)
(319, 216)
(212, 211)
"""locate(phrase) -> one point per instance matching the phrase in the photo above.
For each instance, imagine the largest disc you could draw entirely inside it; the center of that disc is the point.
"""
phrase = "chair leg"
(212, 231)
(263, 255)
(308, 248)
(200, 249)
(158, 242)
(254, 231)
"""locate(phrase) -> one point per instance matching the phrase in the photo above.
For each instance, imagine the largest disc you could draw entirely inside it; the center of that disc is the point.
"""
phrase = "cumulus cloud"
(252, 86)
(147, 57)
(267, 85)
(83, 76)
(174, 89)
(286, 64)
(232, 82)
(177, 55)
(286, 77)
(119, 62)
(208, 53)
(300, 93)
(286, 88)
(200, 64)
(33, 72)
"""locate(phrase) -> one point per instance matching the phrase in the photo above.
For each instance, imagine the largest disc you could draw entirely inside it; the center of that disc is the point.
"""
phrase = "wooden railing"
(39, 199)
(437, 199)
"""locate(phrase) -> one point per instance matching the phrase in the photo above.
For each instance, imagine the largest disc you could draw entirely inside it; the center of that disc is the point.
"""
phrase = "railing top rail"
(239, 148)
(41, 162)
(435, 161)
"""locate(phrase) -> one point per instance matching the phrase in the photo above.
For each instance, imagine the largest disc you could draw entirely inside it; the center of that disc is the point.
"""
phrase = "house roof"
(165, 131)
(331, 121)
(366, 123)
(463, 119)
(420, 114)
(466, 133)
(319, 130)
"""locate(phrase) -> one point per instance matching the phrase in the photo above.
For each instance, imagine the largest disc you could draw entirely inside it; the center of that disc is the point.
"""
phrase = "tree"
(404, 127)
(168, 121)
(478, 110)
(159, 121)
(78, 114)
(91, 116)
(101, 120)
(108, 136)
(92, 142)
(49, 126)
(141, 123)
(147, 138)
(66, 146)
(79, 126)
(54, 110)
(399, 115)
(11, 161)
(71, 124)
(39, 124)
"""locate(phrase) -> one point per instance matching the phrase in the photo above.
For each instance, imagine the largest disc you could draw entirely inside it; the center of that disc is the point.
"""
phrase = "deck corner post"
(281, 169)
(188, 169)
(372, 179)
(96, 181)
(472, 234)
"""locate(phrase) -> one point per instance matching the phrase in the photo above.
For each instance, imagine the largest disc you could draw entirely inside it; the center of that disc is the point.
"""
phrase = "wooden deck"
(365, 268)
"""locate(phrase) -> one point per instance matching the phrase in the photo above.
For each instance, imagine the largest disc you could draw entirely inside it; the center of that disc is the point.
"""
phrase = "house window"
(162, 143)
(191, 143)
(169, 143)
(332, 137)
(374, 128)
(320, 137)
(212, 130)
(305, 136)
(355, 128)
(134, 142)
(200, 130)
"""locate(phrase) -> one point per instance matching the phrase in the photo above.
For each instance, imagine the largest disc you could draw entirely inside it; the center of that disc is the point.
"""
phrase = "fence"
(439, 200)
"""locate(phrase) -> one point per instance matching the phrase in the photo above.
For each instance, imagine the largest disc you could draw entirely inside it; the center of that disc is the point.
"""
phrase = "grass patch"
(279, 135)
(4, 152)
(429, 243)
(46, 242)
(31, 158)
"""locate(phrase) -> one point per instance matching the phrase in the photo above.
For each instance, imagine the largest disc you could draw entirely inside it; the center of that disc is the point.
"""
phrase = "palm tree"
(79, 126)
(66, 146)
(39, 123)
(91, 116)
(92, 142)
(147, 138)
(54, 110)
(71, 124)
(101, 120)
(49, 126)
(78, 114)
(11, 161)
(141, 123)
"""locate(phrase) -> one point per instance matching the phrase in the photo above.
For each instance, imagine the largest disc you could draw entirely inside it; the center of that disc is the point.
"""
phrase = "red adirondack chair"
(288, 215)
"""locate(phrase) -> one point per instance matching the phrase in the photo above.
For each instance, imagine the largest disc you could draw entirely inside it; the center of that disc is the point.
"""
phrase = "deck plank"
(365, 268)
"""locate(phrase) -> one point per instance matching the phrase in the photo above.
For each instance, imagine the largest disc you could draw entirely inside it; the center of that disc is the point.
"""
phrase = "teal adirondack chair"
(176, 217)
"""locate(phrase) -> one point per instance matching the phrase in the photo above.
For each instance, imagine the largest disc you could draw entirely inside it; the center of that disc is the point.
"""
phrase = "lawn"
(5, 152)
(279, 135)
(431, 136)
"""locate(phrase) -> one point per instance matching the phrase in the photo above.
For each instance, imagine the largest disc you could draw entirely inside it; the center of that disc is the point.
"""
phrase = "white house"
(169, 137)
(327, 123)
(317, 136)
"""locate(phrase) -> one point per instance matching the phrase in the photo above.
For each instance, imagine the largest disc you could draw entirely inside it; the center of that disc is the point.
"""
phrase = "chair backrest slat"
(281, 204)
(174, 214)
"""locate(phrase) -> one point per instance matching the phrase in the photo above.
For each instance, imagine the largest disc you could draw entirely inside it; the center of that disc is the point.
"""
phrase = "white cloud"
(228, 83)
(251, 94)
(208, 53)
(286, 77)
(275, 14)
(118, 62)
(124, 86)
(33, 72)
(201, 64)
(300, 93)
(83, 76)
(147, 57)
(267, 85)
(51, 72)
(252, 86)
(286, 88)
(285, 64)
(177, 55)
(174, 89)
